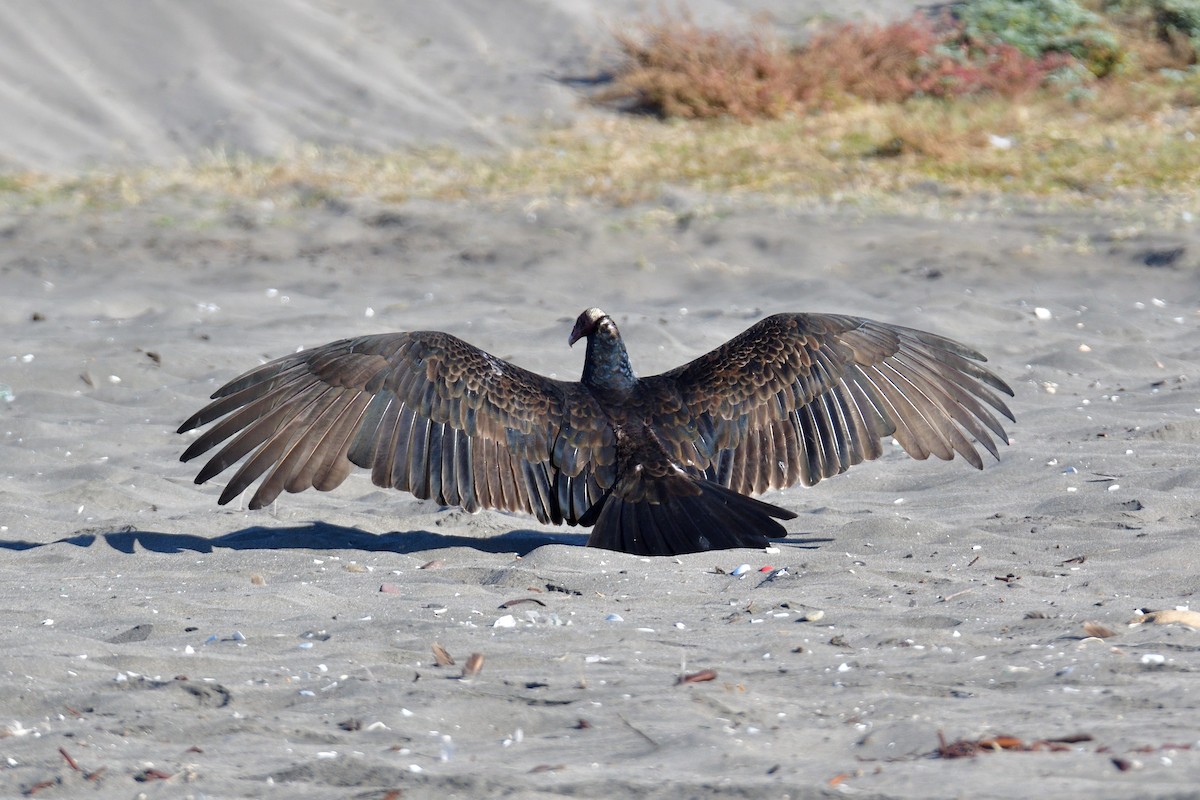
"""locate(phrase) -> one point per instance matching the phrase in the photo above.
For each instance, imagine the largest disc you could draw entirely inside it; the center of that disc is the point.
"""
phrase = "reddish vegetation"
(913, 57)
(673, 68)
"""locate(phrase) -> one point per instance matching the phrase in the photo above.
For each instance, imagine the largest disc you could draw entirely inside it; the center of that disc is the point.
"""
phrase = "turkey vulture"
(659, 465)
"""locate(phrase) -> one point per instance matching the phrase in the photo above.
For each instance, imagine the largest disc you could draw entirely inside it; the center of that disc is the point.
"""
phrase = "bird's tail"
(673, 514)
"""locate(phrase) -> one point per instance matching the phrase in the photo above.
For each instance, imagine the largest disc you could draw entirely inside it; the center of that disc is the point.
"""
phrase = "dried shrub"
(881, 63)
(673, 68)
(914, 58)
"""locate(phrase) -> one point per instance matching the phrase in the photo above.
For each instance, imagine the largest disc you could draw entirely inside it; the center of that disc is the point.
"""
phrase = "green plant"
(1039, 27)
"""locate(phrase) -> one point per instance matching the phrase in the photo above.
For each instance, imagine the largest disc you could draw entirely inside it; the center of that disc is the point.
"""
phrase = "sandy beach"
(155, 644)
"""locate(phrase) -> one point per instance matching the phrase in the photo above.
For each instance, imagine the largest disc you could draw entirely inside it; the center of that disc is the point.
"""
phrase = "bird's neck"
(606, 367)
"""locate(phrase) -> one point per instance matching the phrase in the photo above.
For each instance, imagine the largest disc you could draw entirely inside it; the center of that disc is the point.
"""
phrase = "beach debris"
(969, 748)
(773, 573)
(212, 695)
(37, 787)
(68, 758)
(437, 563)
(613, 618)
(473, 666)
(151, 774)
(1042, 313)
(441, 657)
(702, 676)
(1172, 615)
(389, 588)
(257, 580)
(1098, 631)
(740, 570)
(352, 724)
(507, 621)
(520, 600)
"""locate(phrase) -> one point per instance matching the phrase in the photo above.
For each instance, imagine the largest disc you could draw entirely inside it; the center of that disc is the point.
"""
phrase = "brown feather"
(660, 465)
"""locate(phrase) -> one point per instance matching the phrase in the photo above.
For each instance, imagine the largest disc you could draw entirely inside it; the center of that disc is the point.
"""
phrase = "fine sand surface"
(145, 627)
(155, 644)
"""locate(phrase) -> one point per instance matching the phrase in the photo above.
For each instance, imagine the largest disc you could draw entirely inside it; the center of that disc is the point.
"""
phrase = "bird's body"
(659, 465)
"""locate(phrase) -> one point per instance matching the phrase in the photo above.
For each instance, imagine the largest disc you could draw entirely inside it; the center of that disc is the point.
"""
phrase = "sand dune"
(114, 81)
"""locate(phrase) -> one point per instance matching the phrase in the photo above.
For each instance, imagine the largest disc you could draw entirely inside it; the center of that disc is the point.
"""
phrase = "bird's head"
(588, 323)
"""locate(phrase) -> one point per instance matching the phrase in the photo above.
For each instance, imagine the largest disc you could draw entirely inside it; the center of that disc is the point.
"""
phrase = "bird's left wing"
(426, 412)
(800, 397)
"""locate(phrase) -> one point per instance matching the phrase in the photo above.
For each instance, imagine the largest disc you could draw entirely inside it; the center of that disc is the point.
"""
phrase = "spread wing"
(801, 397)
(426, 412)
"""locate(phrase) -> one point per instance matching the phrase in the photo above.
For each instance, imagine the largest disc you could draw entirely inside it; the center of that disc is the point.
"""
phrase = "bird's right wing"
(800, 397)
(426, 412)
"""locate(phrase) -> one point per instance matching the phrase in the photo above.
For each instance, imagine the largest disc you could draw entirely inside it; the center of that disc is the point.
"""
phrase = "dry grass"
(861, 151)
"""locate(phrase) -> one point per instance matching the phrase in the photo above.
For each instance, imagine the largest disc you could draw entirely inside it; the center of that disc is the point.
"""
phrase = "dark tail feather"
(691, 515)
